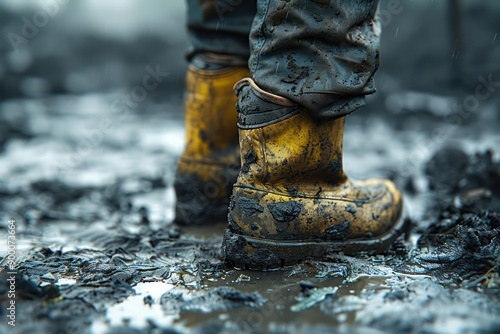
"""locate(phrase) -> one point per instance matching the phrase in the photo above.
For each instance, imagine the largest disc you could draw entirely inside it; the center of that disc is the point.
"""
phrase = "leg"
(220, 26)
(217, 60)
(321, 54)
(292, 200)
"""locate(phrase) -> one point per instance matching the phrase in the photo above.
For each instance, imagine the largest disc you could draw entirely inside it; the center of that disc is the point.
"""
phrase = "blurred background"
(95, 46)
(88, 46)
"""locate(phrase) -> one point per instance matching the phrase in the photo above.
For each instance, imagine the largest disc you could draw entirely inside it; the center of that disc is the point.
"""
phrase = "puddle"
(139, 310)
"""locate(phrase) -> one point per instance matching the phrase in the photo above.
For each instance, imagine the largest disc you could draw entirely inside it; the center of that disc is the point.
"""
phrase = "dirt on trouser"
(97, 252)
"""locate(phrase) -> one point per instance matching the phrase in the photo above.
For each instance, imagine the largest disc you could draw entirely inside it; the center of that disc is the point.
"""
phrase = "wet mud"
(104, 258)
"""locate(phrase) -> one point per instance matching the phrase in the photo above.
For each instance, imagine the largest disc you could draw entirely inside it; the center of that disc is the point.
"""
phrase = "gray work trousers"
(322, 54)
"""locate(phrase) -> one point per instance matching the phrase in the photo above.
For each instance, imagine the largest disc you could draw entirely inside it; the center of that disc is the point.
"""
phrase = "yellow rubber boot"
(292, 200)
(210, 162)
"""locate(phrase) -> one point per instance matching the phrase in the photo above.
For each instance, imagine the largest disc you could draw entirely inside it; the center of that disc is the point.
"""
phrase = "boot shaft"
(297, 148)
(210, 162)
(210, 112)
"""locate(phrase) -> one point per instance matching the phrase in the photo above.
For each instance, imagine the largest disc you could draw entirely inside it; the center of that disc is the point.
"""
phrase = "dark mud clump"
(461, 245)
(249, 158)
(285, 212)
(466, 183)
(249, 206)
(463, 248)
(351, 209)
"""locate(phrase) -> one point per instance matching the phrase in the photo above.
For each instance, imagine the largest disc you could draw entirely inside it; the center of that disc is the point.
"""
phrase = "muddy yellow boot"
(210, 162)
(292, 200)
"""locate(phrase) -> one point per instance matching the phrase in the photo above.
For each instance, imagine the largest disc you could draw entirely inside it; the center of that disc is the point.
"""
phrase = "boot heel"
(243, 253)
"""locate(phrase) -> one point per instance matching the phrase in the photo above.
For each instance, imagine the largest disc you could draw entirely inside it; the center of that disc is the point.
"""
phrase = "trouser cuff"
(257, 108)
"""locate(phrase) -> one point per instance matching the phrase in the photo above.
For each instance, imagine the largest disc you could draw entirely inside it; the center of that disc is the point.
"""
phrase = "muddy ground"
(88, 180)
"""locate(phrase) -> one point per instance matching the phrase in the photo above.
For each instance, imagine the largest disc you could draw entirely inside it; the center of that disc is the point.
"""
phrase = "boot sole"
(244, 252)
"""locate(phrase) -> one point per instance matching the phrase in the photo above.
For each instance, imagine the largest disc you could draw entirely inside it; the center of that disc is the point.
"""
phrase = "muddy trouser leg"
(321, 54)
(220, 27)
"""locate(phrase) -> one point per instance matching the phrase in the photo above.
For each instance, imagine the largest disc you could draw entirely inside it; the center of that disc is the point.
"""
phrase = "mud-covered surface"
(97, 250)
(90, 187)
